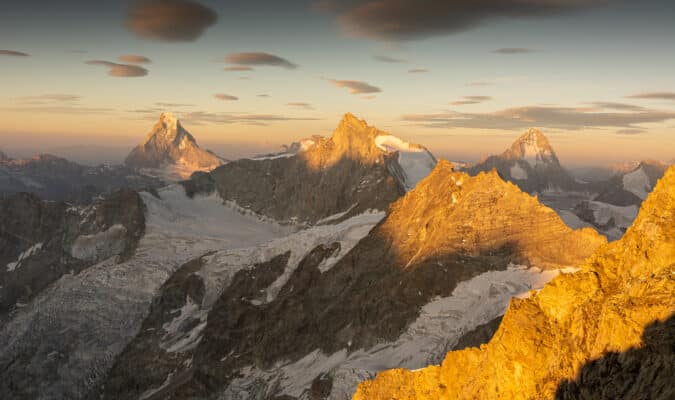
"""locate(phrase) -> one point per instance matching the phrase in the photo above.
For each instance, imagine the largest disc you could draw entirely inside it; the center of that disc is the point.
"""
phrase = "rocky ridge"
(335, 177)
(617, 310)
(449, 229)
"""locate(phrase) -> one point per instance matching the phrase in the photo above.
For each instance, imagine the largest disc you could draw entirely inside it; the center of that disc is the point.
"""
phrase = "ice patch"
(416, 161)
(182, 333)
(23, 256)
(517, 172)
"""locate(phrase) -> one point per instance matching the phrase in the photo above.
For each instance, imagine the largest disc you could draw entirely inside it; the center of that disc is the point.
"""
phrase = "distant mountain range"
(55, 178)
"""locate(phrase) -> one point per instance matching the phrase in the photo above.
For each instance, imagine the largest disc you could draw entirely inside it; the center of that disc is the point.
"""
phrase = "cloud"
(608, 105)
(134, 59)
(238, 68)
(481, 83)
(49, 98)
(63, 109)
(299, 104)
(387, 59)
(395, 20)
(121, 70)
(355, 87)
(514, 50)
(169, 20)
(517, 118)
(471, 100)
(264, 95)
(164, 104)
(200, 117)
(418, 70)
(13, 53)
(259, 58)
(630, 131)
(225, 97)
(654, 96)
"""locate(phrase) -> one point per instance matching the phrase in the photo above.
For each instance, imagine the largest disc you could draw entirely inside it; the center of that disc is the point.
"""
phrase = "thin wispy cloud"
(515, 50)
(653, 96)
(134, 59)
(418, 70)
(471, 100)
(568, 118)
(169, 20)
(201, 117)
(396, 20)
(120, 70)
(167, 104)
(608, 105)
(259, 59)
(299, 104)
(238, 68)
(225, 97)
(355, 87)
(263, 95)
(630, 131)
(49, 98)
(481, 83)
(388, 59)
(13, 53)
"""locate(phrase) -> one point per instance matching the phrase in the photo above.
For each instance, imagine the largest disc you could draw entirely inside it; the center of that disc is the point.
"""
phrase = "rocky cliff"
(40, 241)
(603, 332)
(345, 174)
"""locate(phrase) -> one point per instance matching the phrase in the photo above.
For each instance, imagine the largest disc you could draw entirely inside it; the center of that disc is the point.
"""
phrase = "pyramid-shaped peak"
(351, 119)
(533, 147)
(169, 130)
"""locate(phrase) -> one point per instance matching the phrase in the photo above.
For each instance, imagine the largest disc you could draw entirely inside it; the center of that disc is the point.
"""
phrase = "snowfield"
(416, 161)
(86, 320)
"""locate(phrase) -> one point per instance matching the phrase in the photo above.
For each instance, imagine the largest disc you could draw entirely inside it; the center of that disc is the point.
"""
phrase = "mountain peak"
(168, 143)
(533, 147)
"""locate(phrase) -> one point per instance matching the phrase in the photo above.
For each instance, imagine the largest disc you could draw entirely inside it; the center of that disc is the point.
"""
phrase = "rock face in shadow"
(547, 339)
(530, 163)
(450, 228)
(42, 240)
(55, 178)
(346, 174)
(644, 372)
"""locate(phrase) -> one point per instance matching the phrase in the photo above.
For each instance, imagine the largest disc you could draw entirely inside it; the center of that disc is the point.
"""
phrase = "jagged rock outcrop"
(631, 187)
(530, 163)
(170, 151)
(599, 326)
(55, 178)
(449, 229)
(346, 174)
(40, 241)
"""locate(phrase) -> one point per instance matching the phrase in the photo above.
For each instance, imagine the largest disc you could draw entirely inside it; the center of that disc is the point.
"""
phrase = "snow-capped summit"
(530, 163)
(533, 147)
(170, 151)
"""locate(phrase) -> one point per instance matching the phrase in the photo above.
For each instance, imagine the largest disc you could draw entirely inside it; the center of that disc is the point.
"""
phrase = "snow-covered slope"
(415, 160)
(84, 320)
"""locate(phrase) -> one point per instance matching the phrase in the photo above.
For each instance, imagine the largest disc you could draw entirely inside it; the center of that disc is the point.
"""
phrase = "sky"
(87, 79)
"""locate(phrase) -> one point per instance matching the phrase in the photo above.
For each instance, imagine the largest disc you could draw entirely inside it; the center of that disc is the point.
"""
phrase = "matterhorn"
(171, 152)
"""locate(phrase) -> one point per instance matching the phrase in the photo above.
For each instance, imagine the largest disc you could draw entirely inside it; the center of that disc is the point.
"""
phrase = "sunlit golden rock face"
(450, 212)
(353, 139)
(604, 312)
